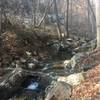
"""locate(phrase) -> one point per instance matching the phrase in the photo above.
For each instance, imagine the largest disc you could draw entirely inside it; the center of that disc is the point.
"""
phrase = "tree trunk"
(71, 13)
(0, 20)
(92, 17)
(97, 5)
(66, 19)
(57, 19)
(34, 13)
(45, 13)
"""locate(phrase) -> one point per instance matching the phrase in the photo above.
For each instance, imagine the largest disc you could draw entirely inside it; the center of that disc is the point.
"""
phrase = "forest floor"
(15, 48)
(90, 88)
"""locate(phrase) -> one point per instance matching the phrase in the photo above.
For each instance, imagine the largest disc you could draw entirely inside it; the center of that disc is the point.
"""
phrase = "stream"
(33, 88)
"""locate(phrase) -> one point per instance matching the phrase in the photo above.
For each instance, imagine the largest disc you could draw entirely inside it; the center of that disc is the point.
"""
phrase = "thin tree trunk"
(90, 7)
(57, 19)
(45, 13)
(34, 13)
(71, 13)
(0, 20)
(37, 11)
(93, 18)
(66, 19)
(90, 22)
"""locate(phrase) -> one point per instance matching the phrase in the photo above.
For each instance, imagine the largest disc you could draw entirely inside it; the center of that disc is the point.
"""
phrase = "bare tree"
(92, 16)
(57, 19)
(46, 12)
(66, 19)
(0, 19)
(97, 5)
(71, 12)
(34, 4)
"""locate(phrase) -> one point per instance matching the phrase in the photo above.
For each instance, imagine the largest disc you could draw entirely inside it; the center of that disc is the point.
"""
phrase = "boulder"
(33, 64)
(86, 46)
(58, 91)
(73, 79)
(20, 80)
(65, 63)
(80, 62)
(76, 59)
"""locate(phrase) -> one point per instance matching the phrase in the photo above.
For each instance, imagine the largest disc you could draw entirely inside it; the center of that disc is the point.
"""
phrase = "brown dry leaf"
(90, 87)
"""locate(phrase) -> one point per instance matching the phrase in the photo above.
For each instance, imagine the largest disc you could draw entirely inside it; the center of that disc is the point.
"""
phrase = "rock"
(1, 71)
(65, 63)
(28, 53)
(55, 45)
(75, 59)
(20, 81)
(70, 40)
(77, 64)
(86, 46)
(19, 64)
(11, 84)
(73, 79)
(93, 44)
(32, 60)
(31, 66)
(58, 91)
(58, 65)
(22, 60)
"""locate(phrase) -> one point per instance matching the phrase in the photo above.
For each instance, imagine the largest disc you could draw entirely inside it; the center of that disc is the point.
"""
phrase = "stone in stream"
(33, 64)
(65, 63)
(22, 60)
(58, 91)
(76, 59)
(28, 53)
(73, 79)
(87, 46)
(80, 62)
